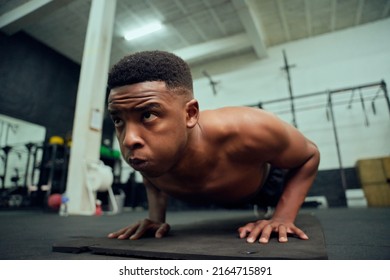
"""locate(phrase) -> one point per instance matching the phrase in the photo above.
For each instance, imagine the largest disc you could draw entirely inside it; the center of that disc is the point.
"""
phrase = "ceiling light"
(142, 31)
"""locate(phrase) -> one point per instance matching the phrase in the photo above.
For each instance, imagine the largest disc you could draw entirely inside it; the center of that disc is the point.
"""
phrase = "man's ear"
(192, 113)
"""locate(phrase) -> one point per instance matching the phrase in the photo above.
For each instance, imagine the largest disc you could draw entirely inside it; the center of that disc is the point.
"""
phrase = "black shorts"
(272, 189)
(267, 195)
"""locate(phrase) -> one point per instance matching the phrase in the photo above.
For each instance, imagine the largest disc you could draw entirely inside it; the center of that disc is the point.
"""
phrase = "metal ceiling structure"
(196, 30)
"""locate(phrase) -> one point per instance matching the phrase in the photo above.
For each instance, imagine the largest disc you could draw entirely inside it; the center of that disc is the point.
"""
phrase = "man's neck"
(195, 161)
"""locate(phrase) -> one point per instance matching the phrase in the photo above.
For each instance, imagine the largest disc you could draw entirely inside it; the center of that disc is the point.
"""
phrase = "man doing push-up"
(224, 156)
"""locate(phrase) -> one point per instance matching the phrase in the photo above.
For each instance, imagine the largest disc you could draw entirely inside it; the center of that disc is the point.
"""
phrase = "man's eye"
(148, 116)
(117, 122)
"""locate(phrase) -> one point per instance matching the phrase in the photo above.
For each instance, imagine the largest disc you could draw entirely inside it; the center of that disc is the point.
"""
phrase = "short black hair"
(147, 66)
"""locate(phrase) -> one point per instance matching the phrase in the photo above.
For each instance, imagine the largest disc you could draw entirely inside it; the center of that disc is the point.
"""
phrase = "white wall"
(342, 59)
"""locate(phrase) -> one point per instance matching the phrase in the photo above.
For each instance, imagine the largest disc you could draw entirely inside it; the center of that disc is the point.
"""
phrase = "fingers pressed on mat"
(255, 233)
(245, 230)
(163, 230)
(282, 234)
(266, 234)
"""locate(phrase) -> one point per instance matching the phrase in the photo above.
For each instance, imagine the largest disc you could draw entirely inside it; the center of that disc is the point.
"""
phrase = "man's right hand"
(137, 230)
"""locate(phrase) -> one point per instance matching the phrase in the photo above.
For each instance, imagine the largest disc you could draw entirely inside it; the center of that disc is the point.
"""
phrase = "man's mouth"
(137, 163)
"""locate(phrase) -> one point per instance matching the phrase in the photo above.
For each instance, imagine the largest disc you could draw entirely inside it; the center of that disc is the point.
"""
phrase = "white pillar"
(88, 119)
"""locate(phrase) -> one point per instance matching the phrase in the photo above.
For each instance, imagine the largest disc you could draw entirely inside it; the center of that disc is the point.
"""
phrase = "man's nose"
(132, 139)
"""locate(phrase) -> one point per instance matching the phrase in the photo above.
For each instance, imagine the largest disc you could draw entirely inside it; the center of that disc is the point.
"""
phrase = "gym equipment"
(286, 68)
(112, 158)
(29, 147)
(99, 178)
(366, 122)
(373, 101)
(54, 201)
(206, 240)
(6, 150)
(329, 105)
(54, 166)
(213, 83)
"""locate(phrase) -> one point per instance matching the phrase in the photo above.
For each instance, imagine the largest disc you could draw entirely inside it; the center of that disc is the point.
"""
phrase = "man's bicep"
(294, 150)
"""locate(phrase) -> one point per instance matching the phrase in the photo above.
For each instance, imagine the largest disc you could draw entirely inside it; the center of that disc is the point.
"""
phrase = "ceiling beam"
(27, 13)
(191, 20)
(161, 16)
(215, 17)
(253, 26)
(215, 48)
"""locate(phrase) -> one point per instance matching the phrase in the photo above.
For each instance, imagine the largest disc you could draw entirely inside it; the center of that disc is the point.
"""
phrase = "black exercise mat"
(206, 240)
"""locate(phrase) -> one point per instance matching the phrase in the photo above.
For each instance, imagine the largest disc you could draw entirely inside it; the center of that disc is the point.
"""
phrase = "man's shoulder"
(231, 122)
(237, 117)
(236, 111)
(241, 131)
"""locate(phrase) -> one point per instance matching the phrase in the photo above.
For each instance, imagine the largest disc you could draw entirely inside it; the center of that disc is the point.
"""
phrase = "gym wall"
(342, 59)
(347, 58)
(39, 85)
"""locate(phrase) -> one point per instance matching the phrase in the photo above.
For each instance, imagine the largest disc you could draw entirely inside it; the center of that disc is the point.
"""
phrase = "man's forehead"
(143, 85)
(140, 90)
(128, 98)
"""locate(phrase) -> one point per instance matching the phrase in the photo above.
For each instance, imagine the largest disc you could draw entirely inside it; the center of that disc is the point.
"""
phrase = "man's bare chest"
(225, 184)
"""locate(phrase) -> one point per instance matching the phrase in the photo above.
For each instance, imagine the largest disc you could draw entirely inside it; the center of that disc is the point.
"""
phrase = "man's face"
(150, 123)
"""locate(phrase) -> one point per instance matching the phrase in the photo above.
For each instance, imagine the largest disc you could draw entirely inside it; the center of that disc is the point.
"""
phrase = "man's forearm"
(158, 208)
(298, 184)
(157, 202)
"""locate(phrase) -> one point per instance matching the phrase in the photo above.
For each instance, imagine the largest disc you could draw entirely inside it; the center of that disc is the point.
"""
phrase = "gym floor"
(350, 233)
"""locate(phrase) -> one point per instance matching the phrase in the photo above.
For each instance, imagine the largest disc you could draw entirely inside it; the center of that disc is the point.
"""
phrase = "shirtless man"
(220, 156)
